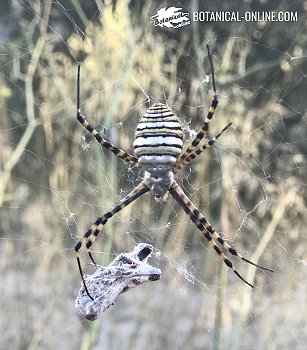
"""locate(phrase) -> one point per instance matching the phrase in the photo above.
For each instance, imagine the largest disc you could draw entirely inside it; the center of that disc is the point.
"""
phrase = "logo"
(170, 17)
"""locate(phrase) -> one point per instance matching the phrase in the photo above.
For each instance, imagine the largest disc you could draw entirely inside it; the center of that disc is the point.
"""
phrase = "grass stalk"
(246, 303)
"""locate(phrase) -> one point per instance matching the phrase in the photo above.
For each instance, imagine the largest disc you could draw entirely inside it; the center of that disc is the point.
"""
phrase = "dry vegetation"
(54, 181)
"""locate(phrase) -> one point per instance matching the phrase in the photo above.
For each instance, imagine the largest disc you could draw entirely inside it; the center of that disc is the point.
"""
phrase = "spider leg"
(204, 129)
(199, 150)
(208, 231)
(127, 157)
(94, 230)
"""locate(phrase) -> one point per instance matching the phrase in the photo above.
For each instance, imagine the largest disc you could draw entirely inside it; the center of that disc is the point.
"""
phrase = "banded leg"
(94, 230)
(204, 129)
(208, 231)
(199, 150)
(127, 157)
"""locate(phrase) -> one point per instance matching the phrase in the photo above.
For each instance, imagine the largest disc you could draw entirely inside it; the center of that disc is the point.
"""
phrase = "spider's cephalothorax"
(157, 145)
(158, 149)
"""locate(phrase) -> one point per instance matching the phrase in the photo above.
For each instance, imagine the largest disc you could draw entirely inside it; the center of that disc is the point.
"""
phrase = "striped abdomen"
(158, 137)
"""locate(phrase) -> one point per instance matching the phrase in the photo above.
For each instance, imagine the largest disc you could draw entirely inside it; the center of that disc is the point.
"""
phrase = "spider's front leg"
(194, 144)
(127, 157)
(94, 230)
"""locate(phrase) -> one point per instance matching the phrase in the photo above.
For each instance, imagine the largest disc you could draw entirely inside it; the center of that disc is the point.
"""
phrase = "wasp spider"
(158, 149)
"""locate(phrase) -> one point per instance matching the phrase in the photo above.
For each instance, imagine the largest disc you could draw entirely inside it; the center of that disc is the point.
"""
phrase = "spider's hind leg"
(208, 231)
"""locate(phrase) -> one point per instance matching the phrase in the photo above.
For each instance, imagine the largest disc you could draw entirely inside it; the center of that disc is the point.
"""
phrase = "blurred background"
(55, 180)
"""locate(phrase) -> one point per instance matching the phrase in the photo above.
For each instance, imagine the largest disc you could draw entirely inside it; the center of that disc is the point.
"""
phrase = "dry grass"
(56, 181)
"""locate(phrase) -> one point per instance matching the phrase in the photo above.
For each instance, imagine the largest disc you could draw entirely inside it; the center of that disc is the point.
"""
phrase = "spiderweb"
(56, 180)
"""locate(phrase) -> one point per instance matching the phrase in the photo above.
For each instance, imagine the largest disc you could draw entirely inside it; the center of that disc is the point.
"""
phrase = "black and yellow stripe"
(211, 235)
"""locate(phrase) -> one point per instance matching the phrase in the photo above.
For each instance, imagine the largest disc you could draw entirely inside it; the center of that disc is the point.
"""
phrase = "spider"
(158, 149)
